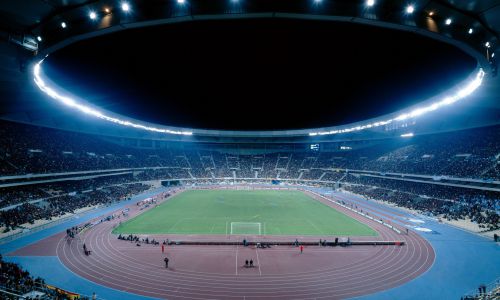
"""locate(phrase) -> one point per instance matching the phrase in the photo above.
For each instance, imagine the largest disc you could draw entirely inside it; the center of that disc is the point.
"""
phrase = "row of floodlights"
(125, 7)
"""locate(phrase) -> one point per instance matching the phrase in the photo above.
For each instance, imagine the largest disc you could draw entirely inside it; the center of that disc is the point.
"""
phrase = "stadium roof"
(22, 20)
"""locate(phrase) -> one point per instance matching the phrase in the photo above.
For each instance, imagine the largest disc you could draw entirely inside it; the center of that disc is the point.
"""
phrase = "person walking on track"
(301, 248)
(166, 262)
(162, 248)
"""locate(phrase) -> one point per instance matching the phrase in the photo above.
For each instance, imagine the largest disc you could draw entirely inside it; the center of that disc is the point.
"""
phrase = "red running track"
(217, 272)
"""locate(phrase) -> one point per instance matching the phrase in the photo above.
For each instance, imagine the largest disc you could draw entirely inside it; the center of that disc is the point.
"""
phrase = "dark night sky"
(257, 74)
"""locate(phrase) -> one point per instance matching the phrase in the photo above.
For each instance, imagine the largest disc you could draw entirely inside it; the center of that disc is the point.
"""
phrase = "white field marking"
(416, 221)
(258, 262)
(236, 259)
(175, 224)
(315, 227)
(423, 229)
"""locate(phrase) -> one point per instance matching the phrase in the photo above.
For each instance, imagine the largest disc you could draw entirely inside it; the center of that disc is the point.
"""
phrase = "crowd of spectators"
(451, 203)
(16, 281)
(26, 149)
(61, 205)
(467, 154)
(14, 278)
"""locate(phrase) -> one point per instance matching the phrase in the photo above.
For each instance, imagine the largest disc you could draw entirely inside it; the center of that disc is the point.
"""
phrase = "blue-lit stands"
(399, 170)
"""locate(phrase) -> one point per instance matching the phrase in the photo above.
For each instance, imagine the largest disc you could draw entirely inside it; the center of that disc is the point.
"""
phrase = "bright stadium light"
(410, 9)
(68, 101)
(487, 44)
(63, 24)
(181, 1)
(448, 21)
(39, 38)
(460, 94)
(406, 135)
(92, 15)
(125, 6)
(370, 3)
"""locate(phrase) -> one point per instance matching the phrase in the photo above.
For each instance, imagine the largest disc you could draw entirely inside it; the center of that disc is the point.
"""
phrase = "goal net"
(249, 228)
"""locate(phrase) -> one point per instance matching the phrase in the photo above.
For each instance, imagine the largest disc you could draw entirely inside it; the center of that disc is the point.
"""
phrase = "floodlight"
(125, 6)
(92, 15)
(448, 21)
(370, 3)
(63, 24)
(410, 9)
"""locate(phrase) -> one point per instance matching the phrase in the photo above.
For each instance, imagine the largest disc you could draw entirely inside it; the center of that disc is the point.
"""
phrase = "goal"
(245, 228)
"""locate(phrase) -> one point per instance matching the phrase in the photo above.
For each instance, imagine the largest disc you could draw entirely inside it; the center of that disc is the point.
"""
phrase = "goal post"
(246, 228)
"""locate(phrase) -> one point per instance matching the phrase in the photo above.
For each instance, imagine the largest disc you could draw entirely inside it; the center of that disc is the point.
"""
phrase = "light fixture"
(431, 13)
(471, 31)
(410, 9)
(448, 21)
(63, 24)
(106, 10)
(181, 1)
(125, 6)
(92, 15)
(370, 3)
(39, 38)
(487, 44)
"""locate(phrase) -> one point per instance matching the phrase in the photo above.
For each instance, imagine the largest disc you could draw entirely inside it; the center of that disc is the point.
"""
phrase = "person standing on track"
(166, 262)
(301, 248)
(162, 248)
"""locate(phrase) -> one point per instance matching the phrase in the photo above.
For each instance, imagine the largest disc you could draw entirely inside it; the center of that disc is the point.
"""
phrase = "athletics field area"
(244, 212)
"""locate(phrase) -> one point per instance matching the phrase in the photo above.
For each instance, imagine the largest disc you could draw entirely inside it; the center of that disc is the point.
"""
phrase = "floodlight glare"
(431, 13)
(471, 31)
(448, 21)
(410, 9)
(370, 3)
(106, 10)
(406, 135)
(125, 6)
(487, 44)
(39, 38)
(92, 15)
(63, 24)
(181, 1)
(458, 95)
(68, 101)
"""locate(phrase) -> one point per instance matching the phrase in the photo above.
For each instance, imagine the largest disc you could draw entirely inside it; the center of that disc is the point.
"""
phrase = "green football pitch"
(244, 212)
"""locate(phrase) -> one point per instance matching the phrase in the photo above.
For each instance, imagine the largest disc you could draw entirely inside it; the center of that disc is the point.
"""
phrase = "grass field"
(266, 212)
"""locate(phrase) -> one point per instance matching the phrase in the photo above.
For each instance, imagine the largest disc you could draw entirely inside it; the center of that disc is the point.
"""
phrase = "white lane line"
(236, 259)
(258, 262)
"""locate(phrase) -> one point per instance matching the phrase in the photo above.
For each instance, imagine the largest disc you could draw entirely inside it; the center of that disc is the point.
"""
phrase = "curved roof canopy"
(473, 26)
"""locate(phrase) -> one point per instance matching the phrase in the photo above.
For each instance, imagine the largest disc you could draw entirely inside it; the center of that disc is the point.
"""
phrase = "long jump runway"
(218, 272)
